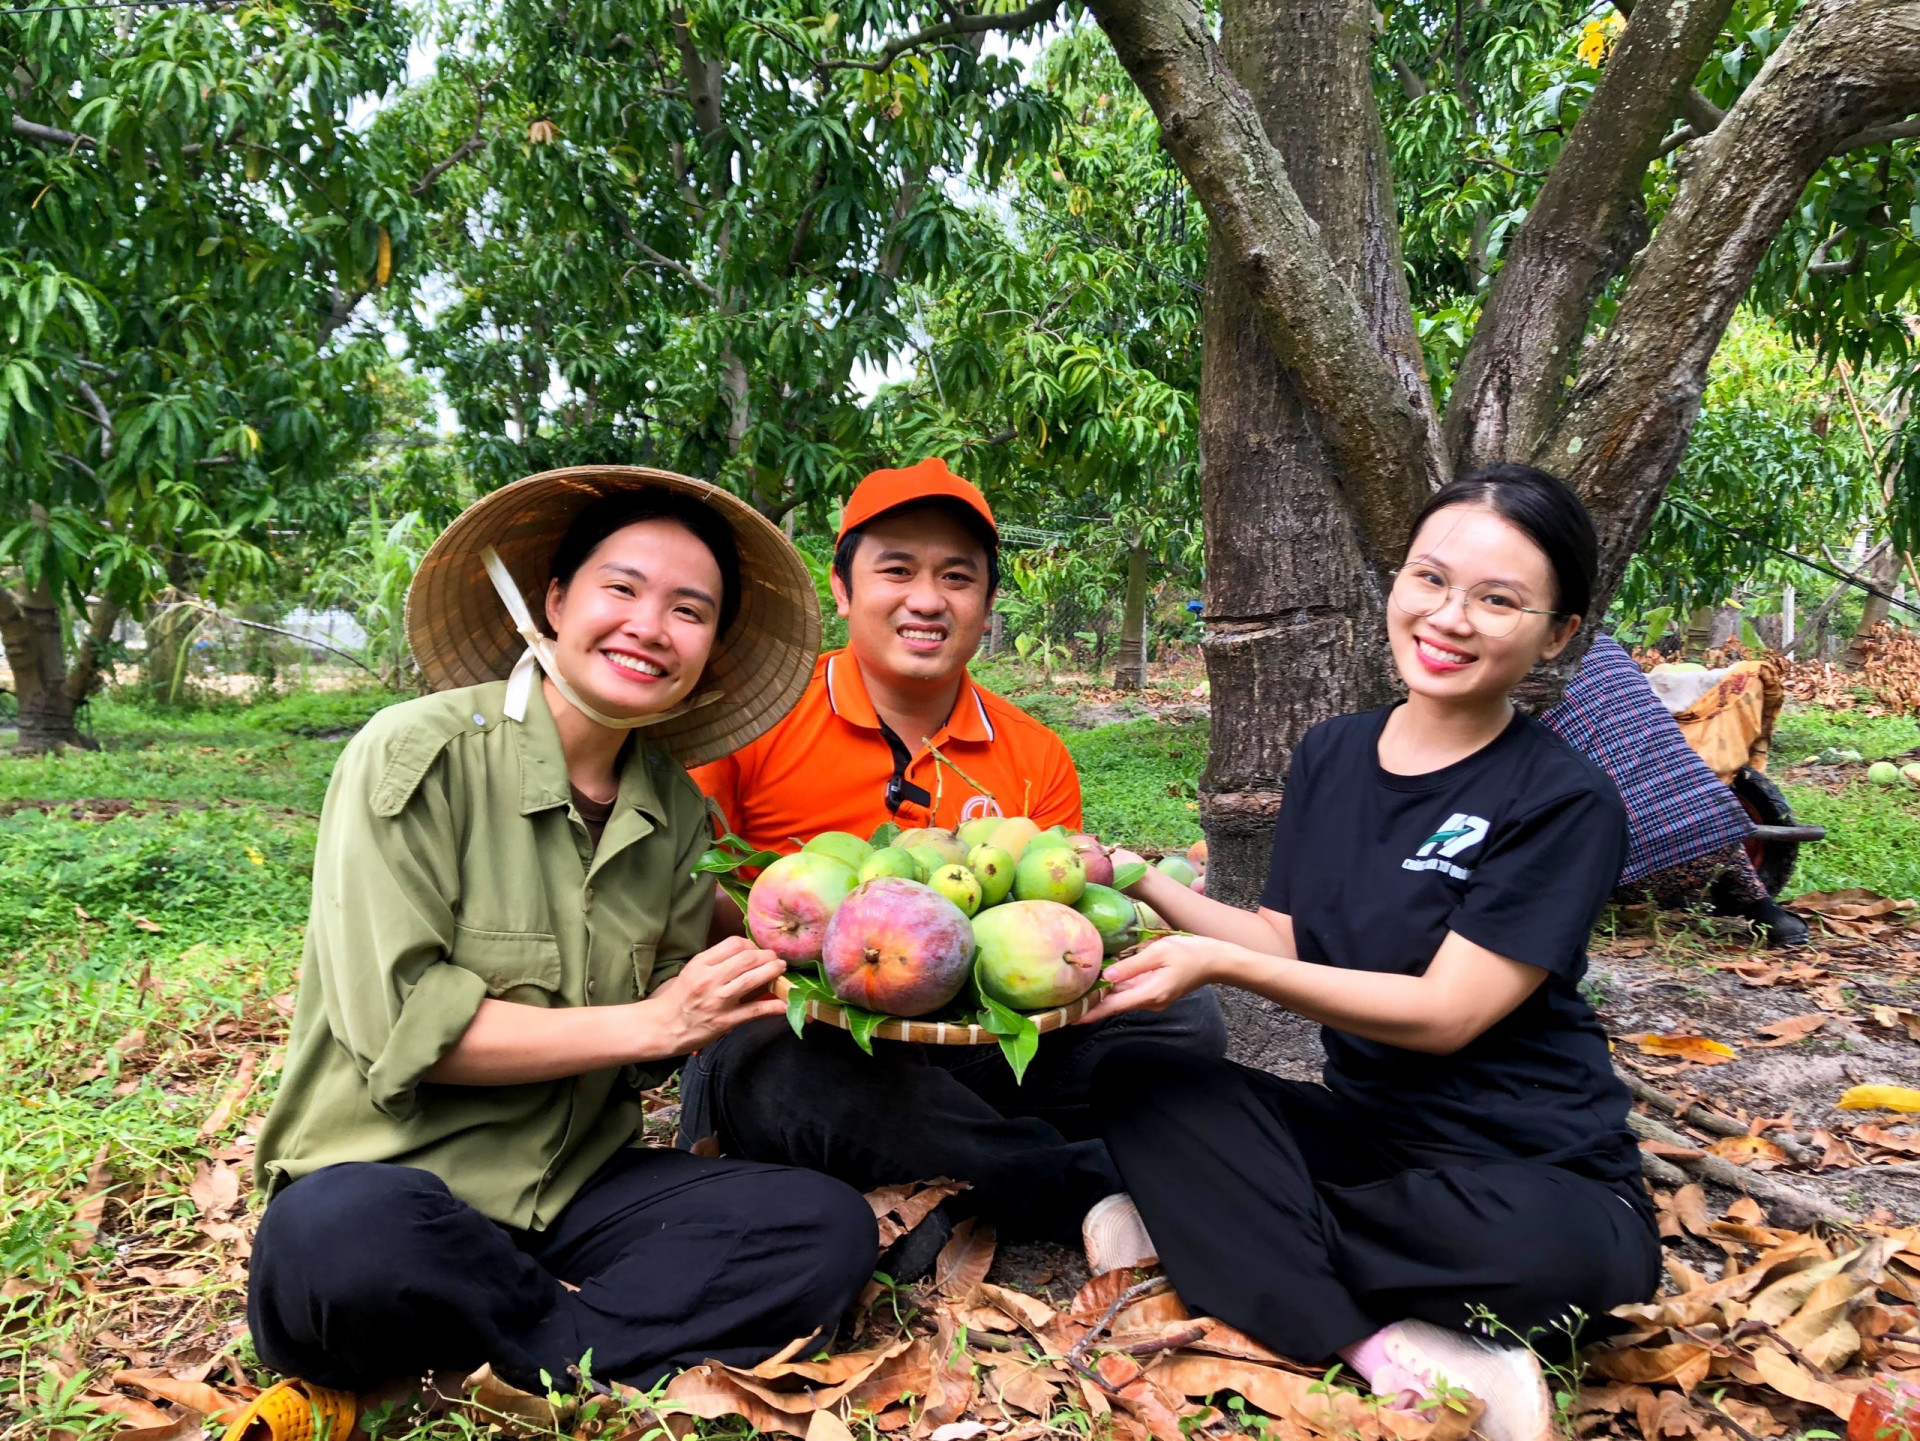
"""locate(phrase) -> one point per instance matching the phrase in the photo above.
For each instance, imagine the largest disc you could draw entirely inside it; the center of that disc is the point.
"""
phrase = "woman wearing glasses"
(1436, 869)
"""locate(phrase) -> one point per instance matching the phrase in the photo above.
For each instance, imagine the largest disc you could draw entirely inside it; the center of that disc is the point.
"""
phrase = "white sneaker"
(1507, 1379)
(1115, 1237)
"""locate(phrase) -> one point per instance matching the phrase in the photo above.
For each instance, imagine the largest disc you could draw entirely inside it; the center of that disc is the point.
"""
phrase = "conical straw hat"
(461, 633)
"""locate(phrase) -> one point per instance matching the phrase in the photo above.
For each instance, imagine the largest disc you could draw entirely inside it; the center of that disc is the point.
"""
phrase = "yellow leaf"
(1592, 48)
(1698, 1049)
(383, 268)
(1880, 1098)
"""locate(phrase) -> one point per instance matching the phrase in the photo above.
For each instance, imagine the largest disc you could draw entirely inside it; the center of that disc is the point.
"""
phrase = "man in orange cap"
(894, 728)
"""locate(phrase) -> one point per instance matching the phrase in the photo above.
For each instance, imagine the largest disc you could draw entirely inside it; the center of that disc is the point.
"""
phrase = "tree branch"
(47, 135)
(1038, 13)
(1374, 433)
(1846, 66)
(1879, 135)
(102, 617)
(1587, 218)
(101, 417)
(466, 147)
(654, 257)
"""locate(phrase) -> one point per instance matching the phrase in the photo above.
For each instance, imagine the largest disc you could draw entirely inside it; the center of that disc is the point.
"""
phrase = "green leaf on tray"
(1019, 1037)
(806, 985)
(884, 834)
(861, 1024)
(1130, 874)
(730, 854)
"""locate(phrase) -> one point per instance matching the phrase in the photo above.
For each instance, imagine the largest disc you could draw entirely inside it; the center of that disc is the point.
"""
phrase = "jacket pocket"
(644, 955)
(516, 965)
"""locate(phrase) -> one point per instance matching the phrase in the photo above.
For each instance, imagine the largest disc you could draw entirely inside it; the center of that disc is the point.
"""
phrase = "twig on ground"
(1077, 1353)
(1708, 1121)
(1754, 1183)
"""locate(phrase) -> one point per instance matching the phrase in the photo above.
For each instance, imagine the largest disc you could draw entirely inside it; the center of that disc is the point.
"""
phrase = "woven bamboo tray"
(939, 1033)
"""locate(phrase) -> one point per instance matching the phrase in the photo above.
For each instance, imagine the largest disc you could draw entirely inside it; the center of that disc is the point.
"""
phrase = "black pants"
(1273, 1208)
(363, 1273)
(1031, 1152)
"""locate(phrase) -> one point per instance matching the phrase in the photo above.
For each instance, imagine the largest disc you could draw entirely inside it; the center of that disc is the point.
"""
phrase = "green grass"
(1873, 839)
(1139, 781)
(1802, 733)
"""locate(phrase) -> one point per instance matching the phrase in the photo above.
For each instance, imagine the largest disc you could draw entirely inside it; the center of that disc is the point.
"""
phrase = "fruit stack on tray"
(989, 936)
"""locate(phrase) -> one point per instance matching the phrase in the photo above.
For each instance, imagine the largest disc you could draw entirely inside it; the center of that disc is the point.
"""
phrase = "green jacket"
(452, 866)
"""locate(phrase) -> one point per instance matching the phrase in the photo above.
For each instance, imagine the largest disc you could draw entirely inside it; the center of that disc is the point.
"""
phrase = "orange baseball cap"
(885, 490)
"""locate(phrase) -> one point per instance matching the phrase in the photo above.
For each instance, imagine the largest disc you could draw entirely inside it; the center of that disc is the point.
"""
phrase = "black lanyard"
(901, 791)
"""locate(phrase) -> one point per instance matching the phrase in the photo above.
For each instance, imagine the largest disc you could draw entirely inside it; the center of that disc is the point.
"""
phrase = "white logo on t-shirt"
(1460, 832)
(979, 808)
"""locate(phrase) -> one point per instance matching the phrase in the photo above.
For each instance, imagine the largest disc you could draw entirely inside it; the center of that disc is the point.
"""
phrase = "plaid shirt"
(1677, 809)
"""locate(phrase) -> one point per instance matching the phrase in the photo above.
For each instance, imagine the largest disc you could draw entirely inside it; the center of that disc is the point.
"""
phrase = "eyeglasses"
(1492, 609)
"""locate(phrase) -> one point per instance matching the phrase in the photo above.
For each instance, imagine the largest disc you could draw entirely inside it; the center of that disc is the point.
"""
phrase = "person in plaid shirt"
(1686, 830)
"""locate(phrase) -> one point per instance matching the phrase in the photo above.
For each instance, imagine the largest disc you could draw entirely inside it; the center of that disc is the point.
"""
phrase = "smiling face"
(918, 601)
(1442, 657)
(635, 624)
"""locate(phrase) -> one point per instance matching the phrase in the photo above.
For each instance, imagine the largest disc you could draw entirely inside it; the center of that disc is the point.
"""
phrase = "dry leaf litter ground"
(1792, 1284)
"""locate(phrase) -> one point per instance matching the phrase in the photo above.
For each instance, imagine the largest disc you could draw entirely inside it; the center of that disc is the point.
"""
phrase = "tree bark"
(1846, 65)
(33, 631)
(1579, 232)
(1883, 573)
(1294, 619)
(1130, 670)
(1328, 308)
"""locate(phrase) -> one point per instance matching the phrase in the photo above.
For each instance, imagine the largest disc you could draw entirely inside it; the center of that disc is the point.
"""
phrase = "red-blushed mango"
(897, 947)
(1094, 856)
(792, 901)
(1197, 854)
(1036, 954)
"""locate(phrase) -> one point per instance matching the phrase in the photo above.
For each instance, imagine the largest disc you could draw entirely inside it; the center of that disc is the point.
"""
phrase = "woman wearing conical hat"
(508, 942)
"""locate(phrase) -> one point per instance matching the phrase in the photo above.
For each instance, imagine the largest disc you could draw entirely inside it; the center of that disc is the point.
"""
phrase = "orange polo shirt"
(829, 767)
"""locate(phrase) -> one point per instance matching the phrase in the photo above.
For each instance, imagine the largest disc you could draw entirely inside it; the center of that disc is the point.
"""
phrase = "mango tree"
(1062, 356)
(186, 219)
(1587, 351)
(694, 232)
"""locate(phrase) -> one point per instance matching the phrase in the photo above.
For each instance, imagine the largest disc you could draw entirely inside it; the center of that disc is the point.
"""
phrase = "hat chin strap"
(540, 652)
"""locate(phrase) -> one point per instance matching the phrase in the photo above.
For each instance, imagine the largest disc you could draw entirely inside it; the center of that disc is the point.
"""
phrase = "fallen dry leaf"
(230, 1100)
(1679, 1363)
(215, 1189)
(209, 1401)
(964, 1261)
(1793, 1028)
(900, 1208)
(1790, 1378)
(1755, 1151)
(1700, 1050)
(90, 1203)
(1879, 1098)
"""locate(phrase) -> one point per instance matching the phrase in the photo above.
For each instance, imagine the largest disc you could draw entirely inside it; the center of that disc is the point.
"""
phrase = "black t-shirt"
(1516, 848)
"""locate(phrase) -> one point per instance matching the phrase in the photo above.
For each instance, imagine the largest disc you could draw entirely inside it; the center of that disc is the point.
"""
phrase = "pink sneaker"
(1507, 1379)
(1115, 1237)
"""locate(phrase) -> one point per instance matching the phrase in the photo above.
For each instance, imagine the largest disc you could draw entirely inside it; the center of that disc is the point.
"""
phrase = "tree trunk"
(1130, 671)
(170, 629)
(1294, 630)
(34, 632)
(1883, 571)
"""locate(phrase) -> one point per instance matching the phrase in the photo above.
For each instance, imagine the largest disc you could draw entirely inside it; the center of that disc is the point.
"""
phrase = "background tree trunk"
(33, 630)
(1130, 670)
(1883, 571)
(170, 629)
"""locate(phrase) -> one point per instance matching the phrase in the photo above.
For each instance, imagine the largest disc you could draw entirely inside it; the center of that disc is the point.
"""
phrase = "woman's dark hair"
(1544, 508)
(616, 512)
